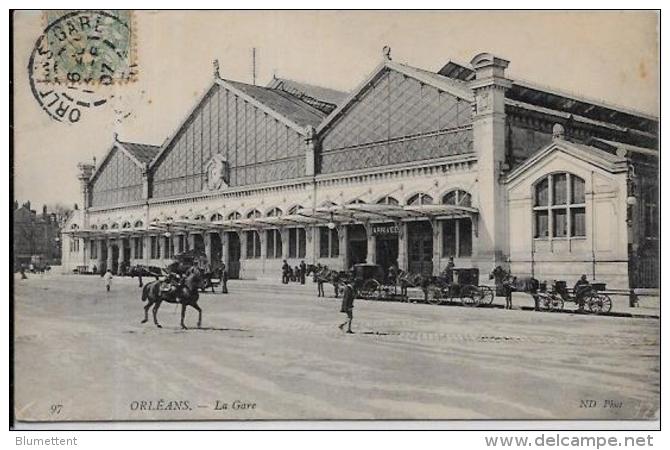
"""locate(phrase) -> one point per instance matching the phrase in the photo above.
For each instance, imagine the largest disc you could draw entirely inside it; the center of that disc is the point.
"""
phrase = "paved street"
(268, 351)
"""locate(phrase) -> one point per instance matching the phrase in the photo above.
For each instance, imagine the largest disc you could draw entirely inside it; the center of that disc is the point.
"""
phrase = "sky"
(609, 56)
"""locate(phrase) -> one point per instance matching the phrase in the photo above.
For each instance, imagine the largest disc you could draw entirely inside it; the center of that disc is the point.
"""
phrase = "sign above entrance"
(383, 229)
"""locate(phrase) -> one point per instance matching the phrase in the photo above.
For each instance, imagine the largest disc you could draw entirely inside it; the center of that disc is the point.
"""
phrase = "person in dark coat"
(303, 271)
(336, 283)
(580, 290)
(224, 279)
(348, 306)
(284, 272)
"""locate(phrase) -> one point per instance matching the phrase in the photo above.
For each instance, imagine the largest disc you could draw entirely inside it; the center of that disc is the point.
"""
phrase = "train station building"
(411, 167)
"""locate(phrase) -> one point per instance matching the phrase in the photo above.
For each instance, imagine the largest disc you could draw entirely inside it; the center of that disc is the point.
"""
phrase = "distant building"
(410, 169)
(35, 235)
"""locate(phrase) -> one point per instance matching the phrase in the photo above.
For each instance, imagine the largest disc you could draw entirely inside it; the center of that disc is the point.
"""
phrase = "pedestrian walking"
(348, 306)
(224, 279)
(303, 271)
(284, 272)
(108, 280)
(318, 276)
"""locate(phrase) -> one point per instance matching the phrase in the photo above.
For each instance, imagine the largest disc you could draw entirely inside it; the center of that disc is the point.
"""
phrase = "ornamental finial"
(386, 53)
(215, 63)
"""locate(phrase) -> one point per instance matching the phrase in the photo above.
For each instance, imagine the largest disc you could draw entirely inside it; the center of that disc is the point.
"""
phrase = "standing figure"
(582, 286)
(224, 279)
(319, 280)
(303, 271)
(108, 279)
(23, 272)
(336, 283)
(284, 272)
(348, 306)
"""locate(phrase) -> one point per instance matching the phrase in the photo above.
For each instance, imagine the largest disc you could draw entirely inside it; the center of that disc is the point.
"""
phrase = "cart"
(372, 285)
(592, 297)
(463, 285)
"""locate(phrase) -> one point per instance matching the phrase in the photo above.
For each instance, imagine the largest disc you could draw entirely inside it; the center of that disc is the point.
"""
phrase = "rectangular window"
(449, 238)
(457, 238)
(560, 191)
(464, 237)
(139, 248)
(297, 242)
(180, 243)
(253, 245)
(578, 222)
(542, 193)
(169, 247)
(155, 250)
(541, 224)
(577, 188)
(329, 244)
(302, 242)
(560, 221)
(273, 244)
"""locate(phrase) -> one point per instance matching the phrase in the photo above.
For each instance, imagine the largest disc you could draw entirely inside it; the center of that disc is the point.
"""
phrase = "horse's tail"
(145, 291)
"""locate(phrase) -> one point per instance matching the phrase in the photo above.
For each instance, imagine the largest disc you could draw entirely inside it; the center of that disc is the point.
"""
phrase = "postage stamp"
(78, 57)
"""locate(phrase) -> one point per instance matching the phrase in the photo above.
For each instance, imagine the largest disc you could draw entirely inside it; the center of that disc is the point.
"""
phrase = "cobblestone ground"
(268, 351)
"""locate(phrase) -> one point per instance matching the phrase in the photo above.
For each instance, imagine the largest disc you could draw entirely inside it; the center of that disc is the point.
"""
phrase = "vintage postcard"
(335, 215)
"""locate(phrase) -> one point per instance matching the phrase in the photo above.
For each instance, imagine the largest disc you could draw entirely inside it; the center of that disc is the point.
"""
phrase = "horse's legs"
(154, 311)
(183, 314)
(197, 308)
(146, 311)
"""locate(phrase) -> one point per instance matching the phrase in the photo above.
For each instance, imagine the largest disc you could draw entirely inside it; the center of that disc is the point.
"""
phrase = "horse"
(182, 291)
(506, 283)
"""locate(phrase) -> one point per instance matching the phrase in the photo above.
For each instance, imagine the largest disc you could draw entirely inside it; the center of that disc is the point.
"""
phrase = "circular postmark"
(77, 60)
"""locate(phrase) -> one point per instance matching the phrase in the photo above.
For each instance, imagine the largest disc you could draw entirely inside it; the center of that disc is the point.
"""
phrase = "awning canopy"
(337, 214)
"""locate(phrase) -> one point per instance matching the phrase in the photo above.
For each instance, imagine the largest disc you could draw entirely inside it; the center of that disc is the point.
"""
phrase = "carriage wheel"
(600, 303)
(369, 288)
(486, 295)
(470, 295)
(557, 303)
(434, 294)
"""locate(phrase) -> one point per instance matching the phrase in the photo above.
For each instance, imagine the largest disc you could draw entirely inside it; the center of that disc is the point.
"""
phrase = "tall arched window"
(388, 200)
(420, 199)
(274, 212)
(295, 209)
(356, 201)
(559, 206)
(139, 224)
(125, 225)
(234, 216)
(216, 217)
(254, 214)
(457, 197)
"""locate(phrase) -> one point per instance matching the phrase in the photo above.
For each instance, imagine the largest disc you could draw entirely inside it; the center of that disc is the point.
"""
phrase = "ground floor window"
(169, 247)
(329, 243)
(297, 243)
(274, 244)
(457, 238)
(94, 249)
(139, 248)
(155, 250)
(253, 245)
(559, 206)
(74, 245)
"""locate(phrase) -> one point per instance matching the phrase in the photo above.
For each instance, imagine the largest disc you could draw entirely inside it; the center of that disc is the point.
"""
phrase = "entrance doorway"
(126, 255)
(215, 248)
(115, 259)
(358, 244)
(103, 258)
(386, 247)
(234, 250)
(420, 247)
(199, 243)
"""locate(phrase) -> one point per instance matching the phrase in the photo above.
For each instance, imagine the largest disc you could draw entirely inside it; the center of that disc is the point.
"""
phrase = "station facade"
(411, 168)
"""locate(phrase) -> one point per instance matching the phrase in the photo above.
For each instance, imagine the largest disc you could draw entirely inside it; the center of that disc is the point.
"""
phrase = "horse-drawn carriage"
(190, 260)
(374, 285)
(463, 284)
(588, 297)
